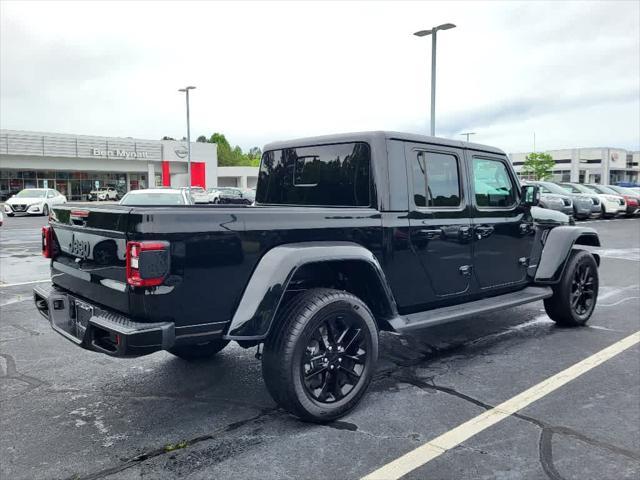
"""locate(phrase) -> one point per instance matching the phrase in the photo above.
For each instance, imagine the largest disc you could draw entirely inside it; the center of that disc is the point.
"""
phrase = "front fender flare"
(557, 248)
(256, 311)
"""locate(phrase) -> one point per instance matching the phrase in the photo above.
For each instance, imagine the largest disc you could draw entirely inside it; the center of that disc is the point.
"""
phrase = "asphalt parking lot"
(69, 413)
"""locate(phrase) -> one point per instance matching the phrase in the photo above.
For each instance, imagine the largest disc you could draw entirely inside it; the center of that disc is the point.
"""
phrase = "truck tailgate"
(89, 258)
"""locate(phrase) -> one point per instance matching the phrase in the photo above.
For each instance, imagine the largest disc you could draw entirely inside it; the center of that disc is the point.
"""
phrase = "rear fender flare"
(557, 248)
(263, 294)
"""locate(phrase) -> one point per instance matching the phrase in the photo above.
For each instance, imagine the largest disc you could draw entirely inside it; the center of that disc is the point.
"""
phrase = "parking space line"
(439, 445)
(5, 285)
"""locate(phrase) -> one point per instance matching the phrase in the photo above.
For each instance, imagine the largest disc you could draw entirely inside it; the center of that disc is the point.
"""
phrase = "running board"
(438, 316)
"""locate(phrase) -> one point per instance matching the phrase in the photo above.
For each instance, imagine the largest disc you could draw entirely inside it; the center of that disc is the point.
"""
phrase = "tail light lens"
(147, 263)
(47, 242)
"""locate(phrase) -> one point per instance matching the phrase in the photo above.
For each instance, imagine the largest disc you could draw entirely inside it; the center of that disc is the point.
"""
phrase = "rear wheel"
(574, 297)
(199, 352)
(319, 362)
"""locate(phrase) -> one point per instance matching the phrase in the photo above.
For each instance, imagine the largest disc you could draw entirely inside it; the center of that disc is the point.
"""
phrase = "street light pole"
(433, 32)
(186, 91)
(467, 134)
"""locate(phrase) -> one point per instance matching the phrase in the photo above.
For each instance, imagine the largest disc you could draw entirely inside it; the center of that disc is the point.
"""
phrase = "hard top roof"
(378, 135)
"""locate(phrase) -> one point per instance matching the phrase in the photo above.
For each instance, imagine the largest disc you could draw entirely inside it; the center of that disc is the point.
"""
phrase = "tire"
(45, 210)
(199, 352)
(575, 296)
(331, 333)
(10, 214)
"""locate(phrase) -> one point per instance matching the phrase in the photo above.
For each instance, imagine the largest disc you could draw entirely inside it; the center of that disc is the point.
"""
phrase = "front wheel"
(574, 297)
(45, 210)
(199, 352)
(319, 361)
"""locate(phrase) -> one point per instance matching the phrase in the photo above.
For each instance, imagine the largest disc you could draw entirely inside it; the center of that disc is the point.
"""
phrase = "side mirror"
(530, 196)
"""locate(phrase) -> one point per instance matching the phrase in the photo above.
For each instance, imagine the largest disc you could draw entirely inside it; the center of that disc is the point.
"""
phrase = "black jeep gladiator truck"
(349, 235)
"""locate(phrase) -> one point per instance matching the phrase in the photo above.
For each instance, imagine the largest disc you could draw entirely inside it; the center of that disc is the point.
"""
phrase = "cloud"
(275, 70)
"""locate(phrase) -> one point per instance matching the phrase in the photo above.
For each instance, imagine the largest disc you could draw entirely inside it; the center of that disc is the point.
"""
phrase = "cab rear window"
(331, 175)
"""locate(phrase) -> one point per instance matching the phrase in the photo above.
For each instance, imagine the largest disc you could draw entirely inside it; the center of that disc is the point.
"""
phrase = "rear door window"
(436, 180)
(331, 175)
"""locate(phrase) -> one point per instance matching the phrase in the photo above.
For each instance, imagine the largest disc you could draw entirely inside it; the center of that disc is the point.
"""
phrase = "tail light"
(47, 242)
(147, 263)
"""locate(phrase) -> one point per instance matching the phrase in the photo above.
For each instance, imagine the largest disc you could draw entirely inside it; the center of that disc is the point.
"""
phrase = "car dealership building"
(605, 165)
(76, 164)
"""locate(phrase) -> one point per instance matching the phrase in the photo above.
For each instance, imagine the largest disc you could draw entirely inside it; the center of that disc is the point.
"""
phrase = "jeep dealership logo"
(118, 153)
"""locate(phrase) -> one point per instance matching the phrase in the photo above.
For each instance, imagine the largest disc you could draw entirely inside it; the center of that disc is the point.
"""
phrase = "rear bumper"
(97, 329)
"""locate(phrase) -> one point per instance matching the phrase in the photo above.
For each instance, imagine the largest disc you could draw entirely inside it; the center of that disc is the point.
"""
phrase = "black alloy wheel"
(582, 294)
(575, 295)
(335, 358)
(320, 356)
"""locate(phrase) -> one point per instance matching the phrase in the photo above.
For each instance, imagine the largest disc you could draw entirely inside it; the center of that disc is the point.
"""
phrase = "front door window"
(492, 185)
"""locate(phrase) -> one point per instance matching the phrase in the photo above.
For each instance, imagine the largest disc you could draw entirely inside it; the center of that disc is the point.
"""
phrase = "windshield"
(31, 193)
(579, 187)
(625, 190)
(553, 188)
(153, 198)
(604, 189)
(600, 189)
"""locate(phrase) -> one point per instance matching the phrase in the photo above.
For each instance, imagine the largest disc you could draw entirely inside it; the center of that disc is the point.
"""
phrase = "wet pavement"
(69, 413)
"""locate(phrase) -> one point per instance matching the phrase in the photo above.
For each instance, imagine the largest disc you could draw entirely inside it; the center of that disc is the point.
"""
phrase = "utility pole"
(467, 134)
(433, 32)
(186, 91)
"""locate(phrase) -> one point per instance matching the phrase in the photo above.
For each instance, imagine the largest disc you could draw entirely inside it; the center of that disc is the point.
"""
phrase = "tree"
(539, 165)
(255, 152)
(202, 139)
(228, 156)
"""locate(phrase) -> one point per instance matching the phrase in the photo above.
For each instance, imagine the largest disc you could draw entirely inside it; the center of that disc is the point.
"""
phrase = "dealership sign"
(119, 153)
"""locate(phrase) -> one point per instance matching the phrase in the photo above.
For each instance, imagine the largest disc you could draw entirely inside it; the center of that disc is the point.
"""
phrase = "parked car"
(630, 196)
(249, 195)
(572, 189)
(611, 195)
(560, 201)
(103, 193)
(198, 194)
(384, 231)
(157, 197)
(582, 203)
(610, 205)
(33, 201)
(228, 195)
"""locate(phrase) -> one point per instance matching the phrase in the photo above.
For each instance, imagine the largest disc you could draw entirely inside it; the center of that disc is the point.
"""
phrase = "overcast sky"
(568, 71)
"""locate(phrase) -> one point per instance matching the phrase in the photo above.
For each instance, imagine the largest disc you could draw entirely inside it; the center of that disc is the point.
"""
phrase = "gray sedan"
(581, 190)
(582, 204)
(554, 201)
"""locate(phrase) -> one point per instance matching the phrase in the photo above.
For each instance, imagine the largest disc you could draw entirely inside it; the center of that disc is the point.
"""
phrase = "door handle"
(483, 231)
(465, 233)
(430, 233)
